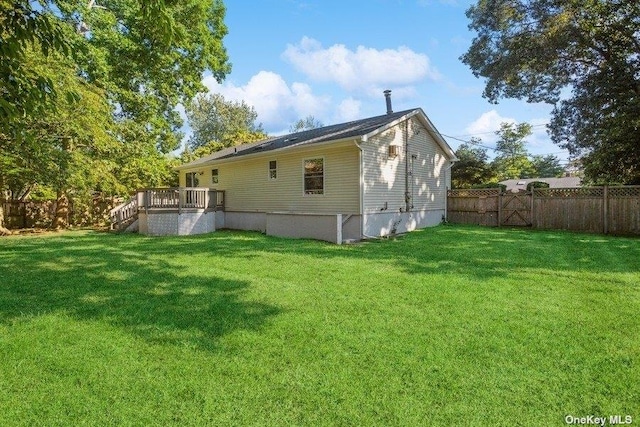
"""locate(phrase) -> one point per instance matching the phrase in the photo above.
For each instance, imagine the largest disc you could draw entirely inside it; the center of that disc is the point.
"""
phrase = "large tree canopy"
(218, 123)
(89, 89)
(582, 56)
(148, 56)
(512, 159)
(472, 168)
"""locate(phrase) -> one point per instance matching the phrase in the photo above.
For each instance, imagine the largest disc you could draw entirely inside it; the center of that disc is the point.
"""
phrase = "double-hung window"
(314, 176)
(214, 176)
(273, 169)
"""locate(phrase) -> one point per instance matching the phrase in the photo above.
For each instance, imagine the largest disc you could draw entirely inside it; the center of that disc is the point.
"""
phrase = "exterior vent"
(387, 97)
(394, 150)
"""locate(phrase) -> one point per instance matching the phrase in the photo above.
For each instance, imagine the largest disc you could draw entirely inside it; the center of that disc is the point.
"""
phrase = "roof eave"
(228, 159)
(435, 134)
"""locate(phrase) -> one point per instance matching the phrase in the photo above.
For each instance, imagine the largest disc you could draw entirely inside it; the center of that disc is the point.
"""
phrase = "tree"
(537, 49)
(307, 123)
(69, 142)
(218, 123)
(512, 160)
(547, 166)
(148, 56)
(472, 168)
(141, 58)
(24, 91)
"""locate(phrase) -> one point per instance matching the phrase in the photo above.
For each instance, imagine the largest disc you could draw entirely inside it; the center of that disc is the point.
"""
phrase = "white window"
(314, 176)
(214, 176)
(273, 169)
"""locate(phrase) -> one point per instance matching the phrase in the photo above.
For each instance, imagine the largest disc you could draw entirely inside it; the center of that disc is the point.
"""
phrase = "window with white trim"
(273, 169)
(314, 176)
(214, 176)
(192, 179)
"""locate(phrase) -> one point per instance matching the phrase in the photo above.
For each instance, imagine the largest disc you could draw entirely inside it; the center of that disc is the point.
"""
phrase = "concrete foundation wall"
(386, 223)
(255, 221)
(351, 227)
(220, 219)
(196, 223)
(171, 223)
(326, 227)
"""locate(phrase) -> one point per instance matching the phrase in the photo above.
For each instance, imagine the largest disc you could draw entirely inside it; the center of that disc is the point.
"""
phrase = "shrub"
(537, 184)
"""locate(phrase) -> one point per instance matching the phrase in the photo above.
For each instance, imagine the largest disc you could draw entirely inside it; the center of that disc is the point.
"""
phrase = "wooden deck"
(180, 198)
(183, 199)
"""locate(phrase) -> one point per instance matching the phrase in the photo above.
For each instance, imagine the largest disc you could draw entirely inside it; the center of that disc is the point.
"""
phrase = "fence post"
(605, 209)
(533, 191)
(499, 208)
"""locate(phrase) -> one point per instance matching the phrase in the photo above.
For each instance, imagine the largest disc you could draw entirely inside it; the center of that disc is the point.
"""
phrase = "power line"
(495, 149)
(494, 131)
(470, 142)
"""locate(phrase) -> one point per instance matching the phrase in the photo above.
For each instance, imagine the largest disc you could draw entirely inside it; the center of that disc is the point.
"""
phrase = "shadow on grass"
(119, 280)
(141, 284)
(479, 252)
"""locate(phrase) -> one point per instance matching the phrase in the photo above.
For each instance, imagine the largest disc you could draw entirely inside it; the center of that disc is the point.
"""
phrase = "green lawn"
(452, 325)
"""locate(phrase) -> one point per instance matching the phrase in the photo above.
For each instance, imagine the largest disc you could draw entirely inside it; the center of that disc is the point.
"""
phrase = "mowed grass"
(451, 325)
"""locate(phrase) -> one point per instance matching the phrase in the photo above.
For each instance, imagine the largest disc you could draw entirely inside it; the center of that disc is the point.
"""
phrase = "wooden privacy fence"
(614, 210)
(41, 214)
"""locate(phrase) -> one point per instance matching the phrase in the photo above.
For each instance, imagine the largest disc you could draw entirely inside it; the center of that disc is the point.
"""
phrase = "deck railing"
(123, 215)
(181, 198)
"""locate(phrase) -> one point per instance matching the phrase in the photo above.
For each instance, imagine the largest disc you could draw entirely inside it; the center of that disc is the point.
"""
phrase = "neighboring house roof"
(521, 184)
(362, 129)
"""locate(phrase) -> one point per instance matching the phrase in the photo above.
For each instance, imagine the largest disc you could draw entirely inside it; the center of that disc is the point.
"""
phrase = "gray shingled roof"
(347, 130)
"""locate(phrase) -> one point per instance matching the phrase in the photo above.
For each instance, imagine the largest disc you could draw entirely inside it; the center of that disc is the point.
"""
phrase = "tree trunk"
(3, 231)
(61, 220)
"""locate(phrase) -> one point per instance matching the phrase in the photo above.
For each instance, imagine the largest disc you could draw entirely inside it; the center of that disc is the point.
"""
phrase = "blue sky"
(332, 59)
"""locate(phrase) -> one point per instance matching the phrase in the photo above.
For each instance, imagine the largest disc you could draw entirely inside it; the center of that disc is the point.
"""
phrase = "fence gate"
(515, 209)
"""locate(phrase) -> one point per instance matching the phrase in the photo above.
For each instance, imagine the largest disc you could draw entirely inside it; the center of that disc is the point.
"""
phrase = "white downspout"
(361, 166)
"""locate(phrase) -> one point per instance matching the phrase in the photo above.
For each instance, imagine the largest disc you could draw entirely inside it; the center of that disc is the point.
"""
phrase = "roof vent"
(387, 96)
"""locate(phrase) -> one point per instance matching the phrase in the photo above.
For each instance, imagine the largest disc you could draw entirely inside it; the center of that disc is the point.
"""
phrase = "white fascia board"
(438, 137)
(389, 125)
(426, 122)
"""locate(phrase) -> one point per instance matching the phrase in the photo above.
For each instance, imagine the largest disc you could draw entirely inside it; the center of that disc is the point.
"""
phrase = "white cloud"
(485, 125)
(277, 103)
(365, 70)
(348, 110)
(537, 143)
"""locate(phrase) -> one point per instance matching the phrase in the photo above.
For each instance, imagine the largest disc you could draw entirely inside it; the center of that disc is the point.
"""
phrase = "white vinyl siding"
(384, 176)
(246, 189)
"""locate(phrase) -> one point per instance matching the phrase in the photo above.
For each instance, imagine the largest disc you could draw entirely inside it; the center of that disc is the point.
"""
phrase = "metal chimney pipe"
(387, 96)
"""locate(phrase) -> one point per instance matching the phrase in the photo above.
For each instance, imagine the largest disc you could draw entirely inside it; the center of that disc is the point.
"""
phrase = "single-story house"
(516, 185)
(366, 178)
